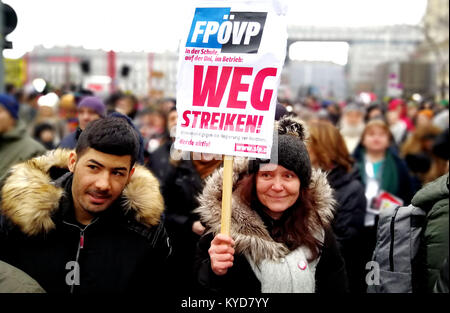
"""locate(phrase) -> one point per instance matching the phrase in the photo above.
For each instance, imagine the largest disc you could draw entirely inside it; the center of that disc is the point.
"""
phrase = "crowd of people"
(97, 181)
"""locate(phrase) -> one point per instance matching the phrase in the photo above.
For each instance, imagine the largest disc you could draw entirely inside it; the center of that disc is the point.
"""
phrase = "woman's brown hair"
(328, 146)
(301, 222)
(377, 123)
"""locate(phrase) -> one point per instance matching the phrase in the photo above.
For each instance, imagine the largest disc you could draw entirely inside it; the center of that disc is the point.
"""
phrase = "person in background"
(280, 238)
(90, 108)
(411, 112)
(433, 198)
(15, 143)
(424, 118)
(181, 184)
(352, 125)
(374, 111)
(399, 124)
(418, 155)
(165, 105)
(127, 104)
(159, 160)
(48, 114)
(45, 134)
(381, 169)
(328, 152)
(441, 119)
(29, 107)
(68, 113)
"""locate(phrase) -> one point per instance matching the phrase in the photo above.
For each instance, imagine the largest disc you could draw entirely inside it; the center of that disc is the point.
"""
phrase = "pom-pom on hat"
(288, 150)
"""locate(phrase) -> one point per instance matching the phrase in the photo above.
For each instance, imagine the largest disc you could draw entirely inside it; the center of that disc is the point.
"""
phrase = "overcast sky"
(156, 25)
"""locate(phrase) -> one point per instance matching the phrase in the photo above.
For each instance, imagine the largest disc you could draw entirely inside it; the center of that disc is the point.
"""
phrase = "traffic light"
(8, 25)
(125, 71)
(85, 66)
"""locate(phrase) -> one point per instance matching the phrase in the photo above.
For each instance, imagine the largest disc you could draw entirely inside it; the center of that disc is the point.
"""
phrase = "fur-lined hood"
(247, 228)
(29, 197)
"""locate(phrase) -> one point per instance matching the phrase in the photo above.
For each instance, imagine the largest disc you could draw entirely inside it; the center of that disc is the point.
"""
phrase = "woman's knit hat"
(292, 154)
(93, 103)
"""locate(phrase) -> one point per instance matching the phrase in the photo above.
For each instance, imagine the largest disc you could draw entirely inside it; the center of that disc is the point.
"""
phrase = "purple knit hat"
(94, 103)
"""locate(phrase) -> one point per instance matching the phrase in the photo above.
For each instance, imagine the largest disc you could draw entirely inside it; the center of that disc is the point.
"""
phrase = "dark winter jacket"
(159, 161)
(396, 178)
(348, 222)
(123, 249)
(180, 189)
(351, 204)
(70, 141)
(252, 239)
(17, 146)
(433, 199)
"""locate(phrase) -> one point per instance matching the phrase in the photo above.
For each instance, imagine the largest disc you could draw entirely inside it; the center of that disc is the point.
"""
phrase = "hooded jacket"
(253, 240)
(433, 199)
(123, 249)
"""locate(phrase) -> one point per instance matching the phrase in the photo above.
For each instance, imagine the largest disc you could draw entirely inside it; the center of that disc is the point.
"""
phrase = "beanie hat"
(289, 150)
(10, 104)
(352, 107)
(94, 103)
(395, 103)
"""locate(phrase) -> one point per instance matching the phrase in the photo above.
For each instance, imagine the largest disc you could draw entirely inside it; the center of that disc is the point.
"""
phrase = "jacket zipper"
(80, 243)
(391, 248)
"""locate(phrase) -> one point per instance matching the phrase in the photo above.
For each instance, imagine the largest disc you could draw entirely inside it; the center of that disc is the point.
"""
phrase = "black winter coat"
(124, 249)
(348, 222)
(180, 188)
(351, 204)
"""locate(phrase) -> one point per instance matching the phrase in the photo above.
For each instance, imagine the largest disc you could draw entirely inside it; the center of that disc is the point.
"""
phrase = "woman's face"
(376, 139)
(277, 188)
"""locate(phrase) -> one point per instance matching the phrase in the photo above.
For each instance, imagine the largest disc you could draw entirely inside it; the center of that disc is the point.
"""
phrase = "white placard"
(229, 71)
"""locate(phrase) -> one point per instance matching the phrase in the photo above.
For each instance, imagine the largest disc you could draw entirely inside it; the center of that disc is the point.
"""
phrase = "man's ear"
(131, 174)
(72, 161)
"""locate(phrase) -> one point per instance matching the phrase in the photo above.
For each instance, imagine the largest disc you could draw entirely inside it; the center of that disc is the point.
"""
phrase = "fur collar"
(247, 228)
(29, 198)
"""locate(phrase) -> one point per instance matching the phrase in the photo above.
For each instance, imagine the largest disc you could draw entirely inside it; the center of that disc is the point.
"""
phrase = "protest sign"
(229, 70)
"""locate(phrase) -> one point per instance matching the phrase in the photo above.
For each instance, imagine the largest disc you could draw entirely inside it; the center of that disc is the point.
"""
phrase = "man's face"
(98, 180)
(353, 118)
(7, 122)
(124, 106)
(86, 115)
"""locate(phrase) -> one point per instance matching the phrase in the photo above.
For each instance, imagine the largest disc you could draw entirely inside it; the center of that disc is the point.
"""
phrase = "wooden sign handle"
(227, 189)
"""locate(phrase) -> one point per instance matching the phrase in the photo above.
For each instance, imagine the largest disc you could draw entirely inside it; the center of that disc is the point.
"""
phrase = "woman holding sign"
(281, 240)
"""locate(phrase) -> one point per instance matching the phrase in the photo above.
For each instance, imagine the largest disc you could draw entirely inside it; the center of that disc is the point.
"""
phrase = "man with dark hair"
(87, 220)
